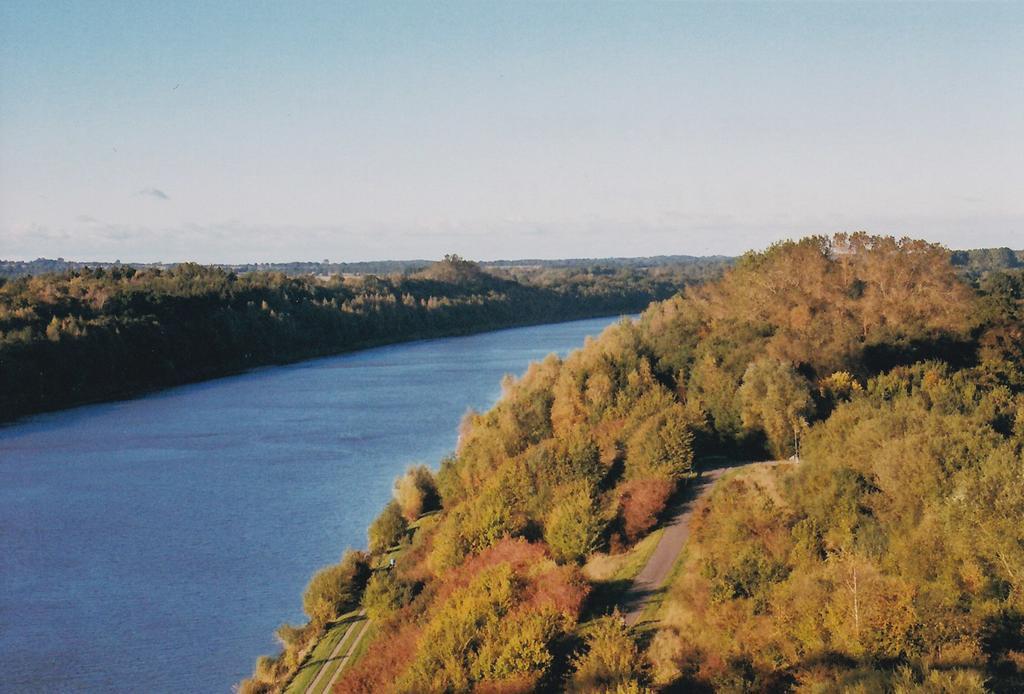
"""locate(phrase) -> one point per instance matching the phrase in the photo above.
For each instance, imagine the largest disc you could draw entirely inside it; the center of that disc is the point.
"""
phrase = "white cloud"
(154, 193)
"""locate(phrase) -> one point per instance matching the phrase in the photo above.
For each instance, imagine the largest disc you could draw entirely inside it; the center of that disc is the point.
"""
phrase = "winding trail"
(652, 577)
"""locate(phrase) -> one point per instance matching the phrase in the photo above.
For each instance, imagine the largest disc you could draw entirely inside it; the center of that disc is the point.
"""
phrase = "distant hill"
(975, 262)
(39, 266)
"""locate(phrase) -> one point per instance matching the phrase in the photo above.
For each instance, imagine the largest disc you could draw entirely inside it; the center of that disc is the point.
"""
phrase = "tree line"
(93, 334)
(40, 266)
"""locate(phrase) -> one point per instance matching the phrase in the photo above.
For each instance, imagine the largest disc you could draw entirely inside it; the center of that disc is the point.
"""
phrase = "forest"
(90, 334)
(890, 558)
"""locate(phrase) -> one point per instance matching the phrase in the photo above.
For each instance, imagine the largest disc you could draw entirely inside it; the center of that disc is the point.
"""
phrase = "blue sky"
(276, 131)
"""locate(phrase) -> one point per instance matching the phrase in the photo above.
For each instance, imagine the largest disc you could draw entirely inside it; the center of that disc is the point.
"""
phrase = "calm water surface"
(154, 544)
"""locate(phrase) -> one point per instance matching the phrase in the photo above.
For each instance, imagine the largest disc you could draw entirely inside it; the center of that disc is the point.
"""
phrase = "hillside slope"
(857, 344)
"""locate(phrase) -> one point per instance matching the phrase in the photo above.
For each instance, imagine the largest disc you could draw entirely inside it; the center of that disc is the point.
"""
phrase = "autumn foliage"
(889, 559)
(641, 502)
(490, 624)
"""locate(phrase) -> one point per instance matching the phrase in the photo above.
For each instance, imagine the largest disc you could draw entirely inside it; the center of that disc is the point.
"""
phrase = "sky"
(259, 131)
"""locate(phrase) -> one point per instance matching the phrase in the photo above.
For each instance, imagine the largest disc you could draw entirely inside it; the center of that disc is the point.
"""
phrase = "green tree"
(456, 631)
(416, 492)
(385, 592)
(578, 458)
(335, 589)
(776, 400)
(574, 527)
(612, 662)
(473, 526)
(388, 529)
(662, 446)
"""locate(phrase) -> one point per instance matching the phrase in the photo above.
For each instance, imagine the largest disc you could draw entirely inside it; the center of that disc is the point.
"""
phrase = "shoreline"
(136, 393)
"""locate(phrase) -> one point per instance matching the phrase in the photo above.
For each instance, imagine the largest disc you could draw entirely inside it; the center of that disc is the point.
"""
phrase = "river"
(154, 544)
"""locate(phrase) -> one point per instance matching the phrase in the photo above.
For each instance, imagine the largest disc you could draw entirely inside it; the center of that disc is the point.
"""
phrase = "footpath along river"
(155, 544)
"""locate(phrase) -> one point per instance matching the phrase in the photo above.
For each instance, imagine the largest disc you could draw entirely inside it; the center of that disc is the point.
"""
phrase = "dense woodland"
(93, 334)
(891, 558)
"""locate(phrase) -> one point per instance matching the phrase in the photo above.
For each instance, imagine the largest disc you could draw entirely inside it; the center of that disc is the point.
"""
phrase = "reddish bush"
(641, 501)
(562, 587)
(544, 585)
(517, 552)
(384, 661)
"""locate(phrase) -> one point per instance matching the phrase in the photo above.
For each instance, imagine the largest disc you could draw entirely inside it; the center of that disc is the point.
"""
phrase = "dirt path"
(342, 642)
(652, 577)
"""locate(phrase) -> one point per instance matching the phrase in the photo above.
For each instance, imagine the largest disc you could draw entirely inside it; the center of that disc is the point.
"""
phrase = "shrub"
(641, 501)
(578, 458)
(416, 492)
(494, 620)
(475, 525)
(383, 662)
(612, 661)
(266, 668)
(777, 400)
(574, 527)
(455, 632)
(335, 589)
(385, 593)
(839, 387)
(388, 529)
(292, 636)
(662, 446)
(293, 639)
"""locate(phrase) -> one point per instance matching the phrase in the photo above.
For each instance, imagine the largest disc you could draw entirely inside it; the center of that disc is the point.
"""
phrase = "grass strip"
(321, 652)
(618, 574)
(344, 661)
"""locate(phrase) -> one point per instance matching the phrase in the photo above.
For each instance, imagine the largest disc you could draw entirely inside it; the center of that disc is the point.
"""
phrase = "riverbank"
(106, 335)
(229, 495)
(143, 391)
